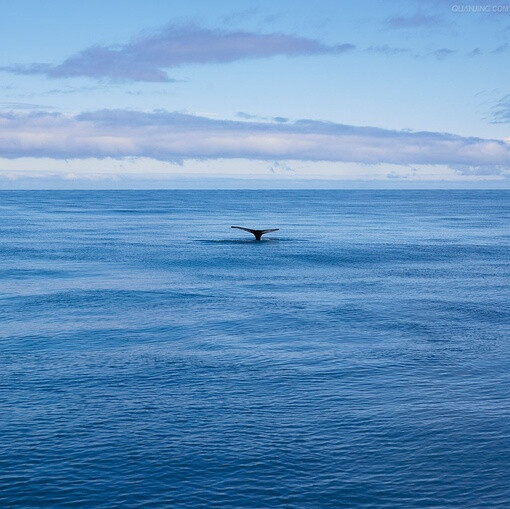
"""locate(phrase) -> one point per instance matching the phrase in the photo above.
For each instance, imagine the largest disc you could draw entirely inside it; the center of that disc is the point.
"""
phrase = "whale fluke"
(258, 233)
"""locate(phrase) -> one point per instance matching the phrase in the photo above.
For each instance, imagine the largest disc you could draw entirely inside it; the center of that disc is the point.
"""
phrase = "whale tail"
(258, 233)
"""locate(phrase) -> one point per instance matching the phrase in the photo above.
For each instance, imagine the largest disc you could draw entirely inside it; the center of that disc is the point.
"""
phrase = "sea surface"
(151, 356)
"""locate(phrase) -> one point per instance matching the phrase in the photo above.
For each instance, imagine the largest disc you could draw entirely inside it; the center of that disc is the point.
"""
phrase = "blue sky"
(241, 94)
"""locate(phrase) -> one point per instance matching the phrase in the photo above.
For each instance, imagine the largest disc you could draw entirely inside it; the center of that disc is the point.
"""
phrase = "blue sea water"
(150, 356)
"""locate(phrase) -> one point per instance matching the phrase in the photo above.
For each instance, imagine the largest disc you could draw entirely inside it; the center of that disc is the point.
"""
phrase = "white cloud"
(175, 137)
(145, 58)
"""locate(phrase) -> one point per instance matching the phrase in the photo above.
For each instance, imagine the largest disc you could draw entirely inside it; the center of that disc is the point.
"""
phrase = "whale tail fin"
(258, 233)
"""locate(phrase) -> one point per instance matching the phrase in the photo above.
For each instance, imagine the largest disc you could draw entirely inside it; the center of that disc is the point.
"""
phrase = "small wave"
(235, 242)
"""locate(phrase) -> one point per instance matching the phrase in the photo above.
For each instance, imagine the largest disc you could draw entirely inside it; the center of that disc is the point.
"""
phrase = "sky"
(254, 94)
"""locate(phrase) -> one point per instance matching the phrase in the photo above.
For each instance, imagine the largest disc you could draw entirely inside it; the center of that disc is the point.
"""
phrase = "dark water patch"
(87, 300)
(251, 240)
(15, 273)
(235, 241)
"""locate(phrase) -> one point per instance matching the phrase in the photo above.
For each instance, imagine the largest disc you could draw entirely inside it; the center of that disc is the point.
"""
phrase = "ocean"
(151, 356)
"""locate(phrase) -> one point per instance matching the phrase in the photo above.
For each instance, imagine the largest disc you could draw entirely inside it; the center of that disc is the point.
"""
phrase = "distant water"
(150, 356)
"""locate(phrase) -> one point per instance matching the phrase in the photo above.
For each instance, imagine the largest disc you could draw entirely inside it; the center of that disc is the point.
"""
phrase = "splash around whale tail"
(258, 233)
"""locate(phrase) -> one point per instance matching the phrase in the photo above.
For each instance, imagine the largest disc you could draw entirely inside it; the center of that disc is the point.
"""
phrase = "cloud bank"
(146, 58)
(168, 136)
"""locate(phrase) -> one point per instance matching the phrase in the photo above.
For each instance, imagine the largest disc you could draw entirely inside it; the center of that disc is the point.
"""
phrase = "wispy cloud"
(439, 54)
(501, 112)
(503, 48)
(23, 106)
(388, 50)
(417, 20)
(241, 15)
(146, 57)
(279, 167)
(395, 175)
(249, 116)
(442, 53)
(171, 136)
(476, 52)
(483, 170)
